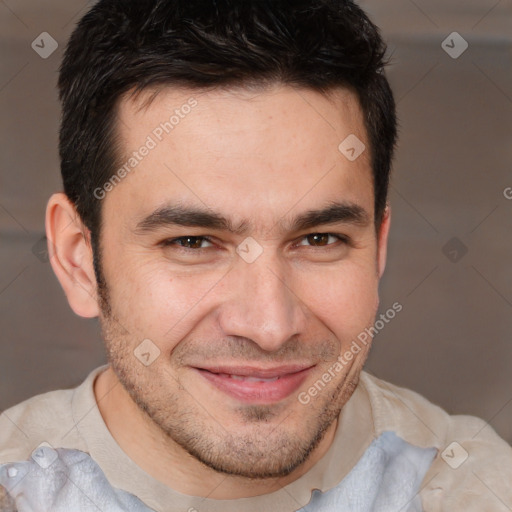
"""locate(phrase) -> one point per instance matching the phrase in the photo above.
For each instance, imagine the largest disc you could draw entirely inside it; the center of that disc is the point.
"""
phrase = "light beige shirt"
(472, 471)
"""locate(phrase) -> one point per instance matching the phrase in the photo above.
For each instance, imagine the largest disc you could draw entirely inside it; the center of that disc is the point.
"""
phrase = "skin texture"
(258, 157)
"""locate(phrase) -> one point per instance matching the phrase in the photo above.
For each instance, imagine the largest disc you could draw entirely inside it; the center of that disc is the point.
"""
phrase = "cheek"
(345, 299)
(157, 302)
(162, 305)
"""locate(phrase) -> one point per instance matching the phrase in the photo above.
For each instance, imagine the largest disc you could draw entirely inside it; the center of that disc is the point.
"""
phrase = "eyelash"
(344, 239)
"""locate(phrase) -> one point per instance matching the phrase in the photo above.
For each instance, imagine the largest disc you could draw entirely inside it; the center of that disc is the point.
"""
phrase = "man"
(225, 167)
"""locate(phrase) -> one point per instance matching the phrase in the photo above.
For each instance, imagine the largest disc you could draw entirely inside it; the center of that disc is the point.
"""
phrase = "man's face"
(245, 320)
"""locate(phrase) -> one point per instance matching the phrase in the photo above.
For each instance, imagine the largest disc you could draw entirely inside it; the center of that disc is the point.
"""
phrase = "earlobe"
(70, 255)
(383, 240)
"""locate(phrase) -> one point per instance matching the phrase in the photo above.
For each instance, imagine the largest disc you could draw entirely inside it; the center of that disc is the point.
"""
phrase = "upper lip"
(262, 373)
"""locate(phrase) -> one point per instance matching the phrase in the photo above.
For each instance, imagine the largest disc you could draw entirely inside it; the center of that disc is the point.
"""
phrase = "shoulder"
(44, 418)
(36, 420)
(473, 467)
(472, 472)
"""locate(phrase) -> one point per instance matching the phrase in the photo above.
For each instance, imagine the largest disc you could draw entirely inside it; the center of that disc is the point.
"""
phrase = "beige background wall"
(452, 341)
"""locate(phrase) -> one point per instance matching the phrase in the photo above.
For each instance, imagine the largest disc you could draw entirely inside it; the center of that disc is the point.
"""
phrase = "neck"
(166, 461)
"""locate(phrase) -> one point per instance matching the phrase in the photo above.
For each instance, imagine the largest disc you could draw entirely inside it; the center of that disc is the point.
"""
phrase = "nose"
(261, 304)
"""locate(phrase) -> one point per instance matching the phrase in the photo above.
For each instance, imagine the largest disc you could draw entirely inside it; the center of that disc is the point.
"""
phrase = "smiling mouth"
(249, 379)
(256, 385)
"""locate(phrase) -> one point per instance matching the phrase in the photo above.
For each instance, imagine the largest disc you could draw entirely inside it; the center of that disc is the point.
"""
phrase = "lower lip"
(257, 392)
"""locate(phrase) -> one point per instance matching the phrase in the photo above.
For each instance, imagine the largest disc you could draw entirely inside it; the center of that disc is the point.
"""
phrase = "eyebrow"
(193, 216)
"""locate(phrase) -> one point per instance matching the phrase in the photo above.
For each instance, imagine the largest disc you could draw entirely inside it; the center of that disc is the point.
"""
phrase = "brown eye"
(191, 242)
(323, 239)
(318, 239)
(187, 242)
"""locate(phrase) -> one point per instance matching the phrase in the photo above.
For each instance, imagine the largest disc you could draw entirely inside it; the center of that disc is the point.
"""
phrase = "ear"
(383, 240)
(70, 254)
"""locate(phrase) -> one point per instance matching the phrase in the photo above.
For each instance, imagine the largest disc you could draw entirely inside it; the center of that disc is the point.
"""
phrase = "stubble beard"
(262, 452)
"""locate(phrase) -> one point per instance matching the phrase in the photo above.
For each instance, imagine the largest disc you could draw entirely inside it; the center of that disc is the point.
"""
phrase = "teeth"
(253, 379)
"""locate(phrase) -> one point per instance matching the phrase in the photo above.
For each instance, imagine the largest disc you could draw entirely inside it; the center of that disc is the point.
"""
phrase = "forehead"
(253, 155)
